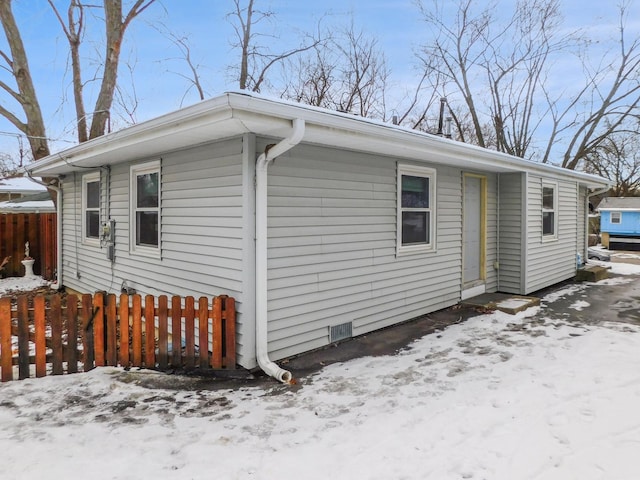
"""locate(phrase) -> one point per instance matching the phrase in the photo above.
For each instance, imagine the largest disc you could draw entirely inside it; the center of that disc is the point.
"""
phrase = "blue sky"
(395, 23)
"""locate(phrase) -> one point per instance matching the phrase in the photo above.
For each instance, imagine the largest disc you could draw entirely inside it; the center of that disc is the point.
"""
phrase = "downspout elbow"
(262, 164)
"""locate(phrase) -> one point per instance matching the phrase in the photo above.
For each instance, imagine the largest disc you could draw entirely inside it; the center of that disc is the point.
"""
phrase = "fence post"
(87, 333)
(6, 355)
(111, 330)
(136, 341)
(189, 333)
(203, 331)
(23, 337)
(229, 312)
(124, 330)
(176, 331)
(216, 316)
(163, 333)
(150, 332)
(39, 321)
(98, 329)
(56, 334)
(72, 334)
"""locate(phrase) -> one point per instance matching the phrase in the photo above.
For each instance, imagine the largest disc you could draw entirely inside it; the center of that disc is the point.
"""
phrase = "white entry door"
(473, 236)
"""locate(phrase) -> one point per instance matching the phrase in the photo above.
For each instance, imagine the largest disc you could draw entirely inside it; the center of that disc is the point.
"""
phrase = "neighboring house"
(343, 225)
(620, 223)
(19, 187)
(33, 203)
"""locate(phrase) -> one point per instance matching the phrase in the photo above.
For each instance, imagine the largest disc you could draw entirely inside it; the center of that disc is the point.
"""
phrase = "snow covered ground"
(19, 284)
(529, 396)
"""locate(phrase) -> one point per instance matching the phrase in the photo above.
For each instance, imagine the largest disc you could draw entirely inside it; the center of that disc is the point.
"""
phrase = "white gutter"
(262, 164)
(58, 191)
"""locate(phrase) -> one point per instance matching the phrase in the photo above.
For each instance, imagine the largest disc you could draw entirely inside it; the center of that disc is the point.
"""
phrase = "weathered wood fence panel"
(39, 229)
(56, 335)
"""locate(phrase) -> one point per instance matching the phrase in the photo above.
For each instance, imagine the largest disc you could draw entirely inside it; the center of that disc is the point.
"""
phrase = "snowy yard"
(531, 396)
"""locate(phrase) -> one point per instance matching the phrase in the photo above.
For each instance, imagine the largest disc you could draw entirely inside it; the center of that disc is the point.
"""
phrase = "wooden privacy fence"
(56, 335)
(39, 229)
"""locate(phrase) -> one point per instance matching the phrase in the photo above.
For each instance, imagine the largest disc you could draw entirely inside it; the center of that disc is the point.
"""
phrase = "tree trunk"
(114, 31)
(33, 128)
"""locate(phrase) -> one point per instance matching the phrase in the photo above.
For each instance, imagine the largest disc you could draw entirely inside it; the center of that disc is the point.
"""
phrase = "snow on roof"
(39, 202)
(20, 185)
(33, 206)
(620, 203)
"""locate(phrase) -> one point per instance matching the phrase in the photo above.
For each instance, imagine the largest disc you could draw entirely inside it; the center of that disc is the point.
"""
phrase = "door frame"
(476, 287)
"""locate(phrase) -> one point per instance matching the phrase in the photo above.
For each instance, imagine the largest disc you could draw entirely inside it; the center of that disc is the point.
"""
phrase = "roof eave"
(236, 113)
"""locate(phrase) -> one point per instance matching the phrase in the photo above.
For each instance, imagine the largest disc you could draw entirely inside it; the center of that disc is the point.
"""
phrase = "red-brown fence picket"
(55, 335)
(39, 229)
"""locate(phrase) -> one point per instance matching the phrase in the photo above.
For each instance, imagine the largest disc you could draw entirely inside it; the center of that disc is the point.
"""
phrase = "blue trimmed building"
(620, 223)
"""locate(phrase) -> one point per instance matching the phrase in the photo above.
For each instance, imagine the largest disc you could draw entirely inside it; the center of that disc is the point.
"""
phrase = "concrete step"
(504, 302)
(592, 273)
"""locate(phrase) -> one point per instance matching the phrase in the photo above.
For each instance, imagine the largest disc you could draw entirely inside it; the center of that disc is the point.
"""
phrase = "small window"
(616, 217)
(145, 208)
(91, 208)
(549, 210)
(416, 206)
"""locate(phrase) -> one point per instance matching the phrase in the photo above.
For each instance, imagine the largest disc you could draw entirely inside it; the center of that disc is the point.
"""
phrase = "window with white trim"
(616, 217)
(91, 208)
(145, 208)
(549, 210)
(415, 209)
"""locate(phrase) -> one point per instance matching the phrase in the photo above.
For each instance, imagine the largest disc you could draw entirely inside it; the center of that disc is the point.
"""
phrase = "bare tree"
(613, 95)
(193, 76)
(24, 93)
(347, 73)
(618, 159)
(500, 71)
(496, 67)
(7, 167)
(256, 59)
(115, 27)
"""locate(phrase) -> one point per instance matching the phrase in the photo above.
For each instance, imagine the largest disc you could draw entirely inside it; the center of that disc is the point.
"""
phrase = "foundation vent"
(340, 332)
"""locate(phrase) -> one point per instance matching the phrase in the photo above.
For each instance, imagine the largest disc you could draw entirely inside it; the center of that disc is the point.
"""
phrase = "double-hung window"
(91, 208)
(616, 217)
(415, 209)
(145, 208)
(549, 211)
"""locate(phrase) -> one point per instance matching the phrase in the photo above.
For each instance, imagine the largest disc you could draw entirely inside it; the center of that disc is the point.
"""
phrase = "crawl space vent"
(340, 332)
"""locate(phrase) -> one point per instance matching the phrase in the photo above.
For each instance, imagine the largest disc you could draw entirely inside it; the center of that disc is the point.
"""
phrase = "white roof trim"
(235, 113)
(614, 209)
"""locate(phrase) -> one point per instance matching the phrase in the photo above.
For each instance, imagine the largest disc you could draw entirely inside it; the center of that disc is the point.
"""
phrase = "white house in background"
(321, 224)
(21, 195)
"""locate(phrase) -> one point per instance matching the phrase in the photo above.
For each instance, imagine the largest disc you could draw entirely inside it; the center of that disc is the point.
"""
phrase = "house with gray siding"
(322, 225)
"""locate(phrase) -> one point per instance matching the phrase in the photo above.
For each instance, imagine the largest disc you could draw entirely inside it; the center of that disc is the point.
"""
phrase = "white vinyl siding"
(512, 222)
(332, 248)
(201, 231)
(491, 243)
(551, 262)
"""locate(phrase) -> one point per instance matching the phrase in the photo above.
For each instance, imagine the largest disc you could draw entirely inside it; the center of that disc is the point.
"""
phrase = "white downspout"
(262, 164)
(58, 191)
(589, 195)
